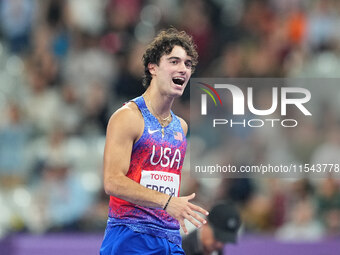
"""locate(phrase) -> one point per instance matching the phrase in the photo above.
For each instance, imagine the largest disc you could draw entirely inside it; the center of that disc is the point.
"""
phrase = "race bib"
(167, 183)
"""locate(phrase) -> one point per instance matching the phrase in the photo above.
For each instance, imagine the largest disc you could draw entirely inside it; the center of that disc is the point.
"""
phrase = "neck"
(161, 104)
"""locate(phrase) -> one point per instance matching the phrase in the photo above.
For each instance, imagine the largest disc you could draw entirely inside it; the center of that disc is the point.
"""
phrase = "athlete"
(144, 153)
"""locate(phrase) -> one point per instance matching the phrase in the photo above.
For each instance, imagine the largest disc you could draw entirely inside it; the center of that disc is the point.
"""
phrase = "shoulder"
(126, 112)
(127, 119)
(184, 125)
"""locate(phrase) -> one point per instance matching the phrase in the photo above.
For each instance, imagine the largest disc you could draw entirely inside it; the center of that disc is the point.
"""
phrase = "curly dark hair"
(163, 44)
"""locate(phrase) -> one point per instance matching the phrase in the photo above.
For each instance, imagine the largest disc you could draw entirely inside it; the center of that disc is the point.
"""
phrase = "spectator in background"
(94, 65)
(43, 119)
(71, 109)
(302, 225)
(13, 138)
(328, 200)
(196, 21)
(16, 18)
(95, 110)
(222, 228)
(127, 84)
(61, 197)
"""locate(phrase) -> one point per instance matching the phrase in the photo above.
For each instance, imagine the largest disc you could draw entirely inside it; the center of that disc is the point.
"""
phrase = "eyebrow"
(177, 58)
(173, 58)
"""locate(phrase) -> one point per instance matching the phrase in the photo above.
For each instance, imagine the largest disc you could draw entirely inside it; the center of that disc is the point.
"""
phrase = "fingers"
(194, 219)
(195, 207)
(181, 209)
(181, 222)
(192, 196)
(197, 218)
(191, 219)
(198, 209)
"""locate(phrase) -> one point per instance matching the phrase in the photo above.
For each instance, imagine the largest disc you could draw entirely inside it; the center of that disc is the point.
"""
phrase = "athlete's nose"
(182, 68)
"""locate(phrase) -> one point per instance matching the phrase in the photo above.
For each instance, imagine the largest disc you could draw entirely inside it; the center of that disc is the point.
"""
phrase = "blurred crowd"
(67, 65)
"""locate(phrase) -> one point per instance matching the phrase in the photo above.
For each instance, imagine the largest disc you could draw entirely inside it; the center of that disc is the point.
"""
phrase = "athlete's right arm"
(125, 127)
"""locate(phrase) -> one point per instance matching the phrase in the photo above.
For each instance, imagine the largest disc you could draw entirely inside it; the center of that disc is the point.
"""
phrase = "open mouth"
(178, 80)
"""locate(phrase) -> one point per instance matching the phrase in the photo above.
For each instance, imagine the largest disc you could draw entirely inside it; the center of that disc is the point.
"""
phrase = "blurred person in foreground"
(222, 228)
(144, 153)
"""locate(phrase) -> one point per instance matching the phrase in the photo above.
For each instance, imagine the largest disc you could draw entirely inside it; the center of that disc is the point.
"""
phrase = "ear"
(152, 68)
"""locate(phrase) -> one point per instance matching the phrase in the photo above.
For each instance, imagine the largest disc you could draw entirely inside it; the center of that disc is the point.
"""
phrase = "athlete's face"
(173, 72)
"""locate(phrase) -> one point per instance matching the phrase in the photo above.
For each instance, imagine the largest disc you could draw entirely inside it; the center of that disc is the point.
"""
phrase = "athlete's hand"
(180, 208)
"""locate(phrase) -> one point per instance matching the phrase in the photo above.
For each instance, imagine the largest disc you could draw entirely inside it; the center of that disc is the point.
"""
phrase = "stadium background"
(67, 65)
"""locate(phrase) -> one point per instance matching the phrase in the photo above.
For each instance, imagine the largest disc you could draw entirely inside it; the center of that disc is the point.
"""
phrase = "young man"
(144, 153)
